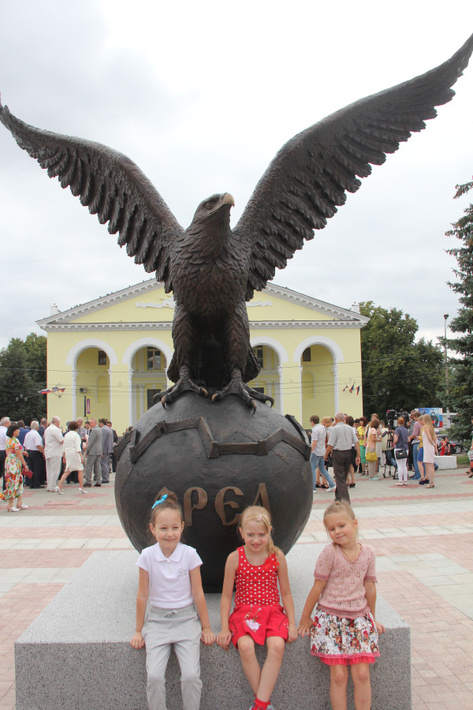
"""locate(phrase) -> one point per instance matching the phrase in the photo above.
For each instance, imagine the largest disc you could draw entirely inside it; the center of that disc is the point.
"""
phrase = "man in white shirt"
(341, 440)
(4, 424)
(53, 449)
(34, 445)
(317, 452)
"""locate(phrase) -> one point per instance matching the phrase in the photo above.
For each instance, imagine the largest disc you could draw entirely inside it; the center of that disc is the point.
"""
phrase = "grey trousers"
(105, 466)
(182, 629)
(341, 464)
(92, 463)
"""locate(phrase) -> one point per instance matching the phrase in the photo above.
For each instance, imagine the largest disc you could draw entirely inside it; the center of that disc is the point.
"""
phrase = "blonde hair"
(260, 515)
(340, 507)
(374, 423)
(430, 427)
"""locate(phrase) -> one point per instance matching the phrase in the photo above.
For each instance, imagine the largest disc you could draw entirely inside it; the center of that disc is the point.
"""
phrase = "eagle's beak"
(227, 199)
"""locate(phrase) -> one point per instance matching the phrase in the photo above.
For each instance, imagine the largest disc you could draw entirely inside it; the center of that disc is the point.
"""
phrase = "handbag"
(400, 453)
(470, 455)
(371, 455)
(26, 472)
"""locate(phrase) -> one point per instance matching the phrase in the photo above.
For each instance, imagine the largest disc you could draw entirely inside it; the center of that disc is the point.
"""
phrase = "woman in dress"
(351, 471)
(361, 433)
(72, 456)
(371, 440)
(14, 465)
(429, 440)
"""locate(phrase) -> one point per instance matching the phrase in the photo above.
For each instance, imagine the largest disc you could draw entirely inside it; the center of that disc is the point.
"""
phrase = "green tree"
(398, 373)
(35, 347)
(22, 375)
(460, 398)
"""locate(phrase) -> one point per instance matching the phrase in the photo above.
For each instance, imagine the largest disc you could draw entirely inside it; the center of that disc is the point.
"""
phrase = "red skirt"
(259, 622)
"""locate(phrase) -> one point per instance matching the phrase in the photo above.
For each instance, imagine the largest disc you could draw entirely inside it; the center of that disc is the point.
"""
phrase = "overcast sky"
(201, 95)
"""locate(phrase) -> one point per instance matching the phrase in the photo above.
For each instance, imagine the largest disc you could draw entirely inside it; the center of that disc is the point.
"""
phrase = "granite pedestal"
(446, 462)
(77, 652)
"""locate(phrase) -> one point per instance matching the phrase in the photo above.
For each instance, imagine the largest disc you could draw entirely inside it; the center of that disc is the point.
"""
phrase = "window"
(149, 396)
(259, 354)
(153, 359)
(102, 357)
(306, 355)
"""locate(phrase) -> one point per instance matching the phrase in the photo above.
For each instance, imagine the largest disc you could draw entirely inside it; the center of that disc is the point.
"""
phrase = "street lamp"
(445, 318)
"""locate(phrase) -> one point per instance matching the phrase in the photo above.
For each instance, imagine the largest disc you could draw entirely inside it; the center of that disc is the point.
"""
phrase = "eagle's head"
(213, 213)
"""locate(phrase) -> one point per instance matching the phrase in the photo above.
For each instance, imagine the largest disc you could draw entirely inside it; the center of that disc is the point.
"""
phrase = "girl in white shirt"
(177, 614)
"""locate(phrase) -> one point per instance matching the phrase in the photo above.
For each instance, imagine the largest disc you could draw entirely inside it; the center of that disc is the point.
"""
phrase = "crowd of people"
(42, 455)
(370, 448)
(171, 610)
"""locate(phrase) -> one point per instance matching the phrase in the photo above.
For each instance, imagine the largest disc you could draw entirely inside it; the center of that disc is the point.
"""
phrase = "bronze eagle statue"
(213, 269)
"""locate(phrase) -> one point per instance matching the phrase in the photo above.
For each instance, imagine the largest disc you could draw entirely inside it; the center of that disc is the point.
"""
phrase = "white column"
(74, 392)
(131, 398)
(279, 390)
(141, 400)
(301, 369)
(109, 372)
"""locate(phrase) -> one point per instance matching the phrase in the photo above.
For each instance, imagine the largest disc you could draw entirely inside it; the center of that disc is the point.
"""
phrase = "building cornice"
(55, 327)
(148, 325)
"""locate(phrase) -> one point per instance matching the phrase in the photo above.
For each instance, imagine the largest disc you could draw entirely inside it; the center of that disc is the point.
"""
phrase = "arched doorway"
(148, 369)
(317, 382)
(92, 386)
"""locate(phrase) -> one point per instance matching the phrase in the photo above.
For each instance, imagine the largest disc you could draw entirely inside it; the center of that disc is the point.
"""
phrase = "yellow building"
(110, 355)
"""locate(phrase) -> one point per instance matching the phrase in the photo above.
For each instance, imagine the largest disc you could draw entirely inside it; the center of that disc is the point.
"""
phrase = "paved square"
(423, 541)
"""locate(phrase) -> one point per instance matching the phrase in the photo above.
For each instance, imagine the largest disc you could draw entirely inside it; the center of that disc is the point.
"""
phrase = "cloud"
(201, 96)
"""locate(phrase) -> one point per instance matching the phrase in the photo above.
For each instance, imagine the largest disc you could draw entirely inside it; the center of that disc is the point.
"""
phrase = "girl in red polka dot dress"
(256, 569)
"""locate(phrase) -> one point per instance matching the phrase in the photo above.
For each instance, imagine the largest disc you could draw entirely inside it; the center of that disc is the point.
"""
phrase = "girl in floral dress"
(344, 631)
(256, 569)
(14, 465)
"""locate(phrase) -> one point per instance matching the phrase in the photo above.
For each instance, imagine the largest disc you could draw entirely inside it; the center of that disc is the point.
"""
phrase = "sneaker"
(87, 485)
(375, 478)
(329, 490)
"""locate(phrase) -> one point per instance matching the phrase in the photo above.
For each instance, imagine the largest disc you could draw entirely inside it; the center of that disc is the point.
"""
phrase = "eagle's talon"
(184, 384)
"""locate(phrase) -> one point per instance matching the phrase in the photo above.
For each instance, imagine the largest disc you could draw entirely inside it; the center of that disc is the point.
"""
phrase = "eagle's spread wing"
(111, 186)
(312, 173)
